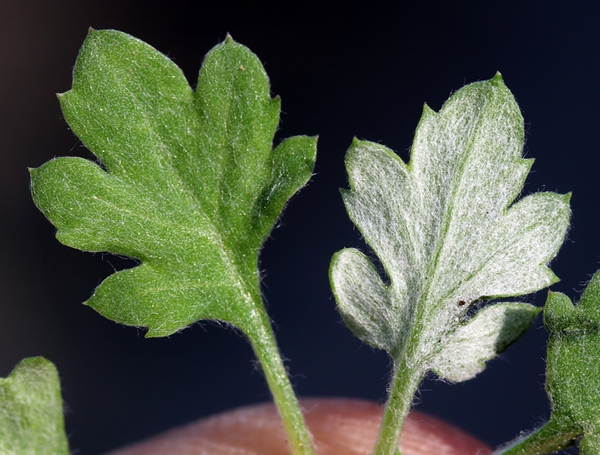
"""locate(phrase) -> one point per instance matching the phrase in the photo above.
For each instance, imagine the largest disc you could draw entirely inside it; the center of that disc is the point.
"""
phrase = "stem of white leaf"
(402, 389)
(263, 342)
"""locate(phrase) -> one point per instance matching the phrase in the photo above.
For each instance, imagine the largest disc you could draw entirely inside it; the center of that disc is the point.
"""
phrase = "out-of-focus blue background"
(343, 69)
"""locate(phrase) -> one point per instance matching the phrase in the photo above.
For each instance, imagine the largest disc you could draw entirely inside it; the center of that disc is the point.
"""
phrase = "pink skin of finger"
(339, 427)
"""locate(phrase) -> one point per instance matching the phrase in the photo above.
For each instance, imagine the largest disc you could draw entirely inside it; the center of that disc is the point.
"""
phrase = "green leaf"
(188, 182)
(31, 415)
(573, 365)
(572, 377)
(448, 233)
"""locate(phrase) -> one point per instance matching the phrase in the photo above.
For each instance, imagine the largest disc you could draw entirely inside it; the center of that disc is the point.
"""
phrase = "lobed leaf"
(188, 182)
(573, 364)
(448, 232)
(31, 415)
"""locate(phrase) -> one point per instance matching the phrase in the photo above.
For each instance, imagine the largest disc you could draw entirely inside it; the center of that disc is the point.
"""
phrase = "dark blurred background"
(343, 69)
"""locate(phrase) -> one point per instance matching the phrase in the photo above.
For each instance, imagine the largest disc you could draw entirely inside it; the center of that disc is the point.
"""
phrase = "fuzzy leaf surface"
(448, 232)
(188, 183)
(492, 330)
(31, 412)
(573, 364)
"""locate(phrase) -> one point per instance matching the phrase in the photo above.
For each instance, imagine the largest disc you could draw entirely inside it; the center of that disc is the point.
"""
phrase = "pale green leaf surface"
(357, 280)
(491, 331)
(446, 230)
(191, 186)
(31, 413)
(572, 377)
(573, 364)
(590, 444)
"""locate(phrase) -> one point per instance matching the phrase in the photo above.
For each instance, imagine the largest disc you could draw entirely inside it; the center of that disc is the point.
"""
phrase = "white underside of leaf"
(464, 351)
(443, 226)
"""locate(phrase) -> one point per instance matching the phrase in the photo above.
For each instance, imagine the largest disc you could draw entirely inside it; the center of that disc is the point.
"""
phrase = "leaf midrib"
(423, 304)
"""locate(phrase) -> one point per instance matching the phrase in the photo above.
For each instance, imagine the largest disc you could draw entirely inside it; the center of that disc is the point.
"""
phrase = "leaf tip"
(356, 142)
(552, 277)
(567, 197)
(92, 32)
(427, 109)
(498, 77)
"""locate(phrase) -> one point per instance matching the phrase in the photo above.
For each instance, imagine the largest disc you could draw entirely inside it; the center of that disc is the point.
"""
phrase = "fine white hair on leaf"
(447, 231)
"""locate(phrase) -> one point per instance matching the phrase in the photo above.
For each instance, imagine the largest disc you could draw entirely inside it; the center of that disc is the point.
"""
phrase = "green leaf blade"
(573, 366)
(590, 444)
(130, 105)
(189, 296)
(572, 376)
(96, 211)
(238, 119)
(31, 417)
(191, 186)
(292, 164)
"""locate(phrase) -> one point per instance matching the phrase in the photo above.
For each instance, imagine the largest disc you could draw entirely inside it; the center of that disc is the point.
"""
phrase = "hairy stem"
(402, 389)
(263, 342)
(549, 438)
